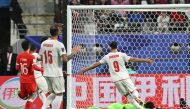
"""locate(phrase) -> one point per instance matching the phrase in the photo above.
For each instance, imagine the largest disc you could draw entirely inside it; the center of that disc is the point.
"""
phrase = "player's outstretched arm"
(75, 50)
(148, 60)
(83, 70)
(37, 68)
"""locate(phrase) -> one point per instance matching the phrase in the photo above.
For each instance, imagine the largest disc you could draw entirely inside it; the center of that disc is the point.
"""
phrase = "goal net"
(160, 32)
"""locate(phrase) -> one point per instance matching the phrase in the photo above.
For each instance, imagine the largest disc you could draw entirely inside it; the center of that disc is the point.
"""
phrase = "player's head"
(10, 49)
(54, 31)
(113, 45)
(149, 105)
(25, 45)
(32, 48)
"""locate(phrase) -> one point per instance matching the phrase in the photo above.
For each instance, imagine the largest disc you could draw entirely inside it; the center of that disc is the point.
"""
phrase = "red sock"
(28, 105)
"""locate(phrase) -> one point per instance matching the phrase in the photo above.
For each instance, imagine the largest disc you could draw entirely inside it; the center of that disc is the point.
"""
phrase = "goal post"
(155, 31)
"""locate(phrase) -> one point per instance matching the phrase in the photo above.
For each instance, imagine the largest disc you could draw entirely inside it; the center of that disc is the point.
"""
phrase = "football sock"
(42, 97)
(49, 99)
(57, 102)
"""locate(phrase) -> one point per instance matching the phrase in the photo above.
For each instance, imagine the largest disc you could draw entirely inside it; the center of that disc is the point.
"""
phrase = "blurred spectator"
(120, 2)
(9, 62)
(91, 2)
(74, 2)
(163, 22)
(83, 50)
(83, 2)
(187, 1)
(178, 1)
(178, 21)
(98, 49)
(104, 2)
(105, 21)
(120, 14)
(16, 16)
(150, 1)
(161, 2)
(150, 24)
(144, 2)
(135, 2)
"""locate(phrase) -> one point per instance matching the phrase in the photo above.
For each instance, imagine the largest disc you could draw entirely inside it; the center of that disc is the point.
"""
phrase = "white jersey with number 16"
(51, 51)
(116, 62)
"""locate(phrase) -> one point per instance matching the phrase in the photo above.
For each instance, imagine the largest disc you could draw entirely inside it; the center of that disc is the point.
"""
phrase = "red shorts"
(27, 89)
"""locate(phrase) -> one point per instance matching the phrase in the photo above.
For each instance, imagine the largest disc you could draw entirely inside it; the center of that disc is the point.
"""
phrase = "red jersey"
(24, 63)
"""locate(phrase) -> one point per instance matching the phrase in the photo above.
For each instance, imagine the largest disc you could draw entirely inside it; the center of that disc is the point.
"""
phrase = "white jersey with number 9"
(116, 62)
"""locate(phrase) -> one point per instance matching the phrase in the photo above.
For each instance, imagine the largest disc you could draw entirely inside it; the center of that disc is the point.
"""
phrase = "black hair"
(25, 45)
(54, 30)
(113, 45)
(149, 105)
(32, 47)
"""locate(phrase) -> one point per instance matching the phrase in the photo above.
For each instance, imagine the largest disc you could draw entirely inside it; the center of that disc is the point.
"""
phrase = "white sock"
(42, 96)
(134, 102)
(57, 102)
(49, 99)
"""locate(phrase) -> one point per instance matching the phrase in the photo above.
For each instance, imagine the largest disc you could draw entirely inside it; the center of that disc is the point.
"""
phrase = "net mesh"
(144, 33)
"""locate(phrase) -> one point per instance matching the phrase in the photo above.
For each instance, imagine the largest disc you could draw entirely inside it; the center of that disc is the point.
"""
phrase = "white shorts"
(125, 86)
(56, 84)
(42, 84)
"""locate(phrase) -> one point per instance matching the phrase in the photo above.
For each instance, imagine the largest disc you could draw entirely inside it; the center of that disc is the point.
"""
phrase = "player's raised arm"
(75, 50)
(148, 60)
(83, 70)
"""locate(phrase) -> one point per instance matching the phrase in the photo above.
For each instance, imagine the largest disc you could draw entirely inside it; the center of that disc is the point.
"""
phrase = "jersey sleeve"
(61, 49)
(37, 56)
(34, 65)
(103, 60)
(33, 60)
(126, 57)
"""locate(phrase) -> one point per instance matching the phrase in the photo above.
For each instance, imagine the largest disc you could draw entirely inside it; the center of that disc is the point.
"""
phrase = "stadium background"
(38, 15)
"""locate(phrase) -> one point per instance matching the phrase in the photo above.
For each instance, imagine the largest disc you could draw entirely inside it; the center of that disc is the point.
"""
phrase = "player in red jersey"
(25, 63)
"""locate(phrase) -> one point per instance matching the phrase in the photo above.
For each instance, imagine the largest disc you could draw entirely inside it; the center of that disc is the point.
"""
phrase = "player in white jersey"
(116, 62)
(40, 80)
(53, 54)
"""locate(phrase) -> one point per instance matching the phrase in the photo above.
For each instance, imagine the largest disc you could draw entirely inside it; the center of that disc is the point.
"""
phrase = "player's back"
(24, 63)
(52, 62)
(116, 62)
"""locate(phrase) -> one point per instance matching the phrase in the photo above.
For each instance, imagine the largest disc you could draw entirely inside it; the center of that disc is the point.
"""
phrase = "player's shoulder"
(58, 42)
(21, 54)
(31, 56)
(46, 41)
(35, 54)
(121, 53)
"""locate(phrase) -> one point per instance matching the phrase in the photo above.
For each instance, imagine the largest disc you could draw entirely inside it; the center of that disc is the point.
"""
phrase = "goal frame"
(69, 30)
